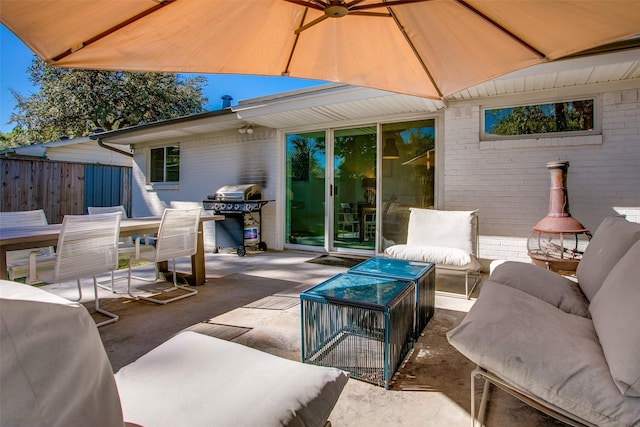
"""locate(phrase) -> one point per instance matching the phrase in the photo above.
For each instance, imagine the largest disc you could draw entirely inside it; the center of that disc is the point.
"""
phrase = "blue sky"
(15, 58)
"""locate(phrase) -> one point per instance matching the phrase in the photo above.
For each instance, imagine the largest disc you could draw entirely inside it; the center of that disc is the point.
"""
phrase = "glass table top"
(397, 268)
(359, 288)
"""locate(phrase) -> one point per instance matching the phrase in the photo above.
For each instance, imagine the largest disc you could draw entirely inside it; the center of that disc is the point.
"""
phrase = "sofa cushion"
(545, 352)
(207, 381)
(610, 242)
(616, 315)
(544, 284)
(449, 229)
(54, 370)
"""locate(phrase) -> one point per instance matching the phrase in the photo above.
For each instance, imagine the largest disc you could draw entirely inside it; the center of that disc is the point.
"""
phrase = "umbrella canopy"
(429, 48)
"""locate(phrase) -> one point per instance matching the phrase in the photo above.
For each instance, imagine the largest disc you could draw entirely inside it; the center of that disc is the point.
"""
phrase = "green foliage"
(75, 102)
(302, 158)
(543, 118)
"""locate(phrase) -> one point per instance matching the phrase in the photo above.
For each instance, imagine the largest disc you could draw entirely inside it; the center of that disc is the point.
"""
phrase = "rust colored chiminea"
(558, 241)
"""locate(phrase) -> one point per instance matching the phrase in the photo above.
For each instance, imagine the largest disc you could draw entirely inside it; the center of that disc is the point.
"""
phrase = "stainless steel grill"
(239, 192)
(235, 198)
(242, 207)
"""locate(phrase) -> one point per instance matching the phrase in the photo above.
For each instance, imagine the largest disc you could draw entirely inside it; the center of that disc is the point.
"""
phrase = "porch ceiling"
(622, 66)
(330, 104)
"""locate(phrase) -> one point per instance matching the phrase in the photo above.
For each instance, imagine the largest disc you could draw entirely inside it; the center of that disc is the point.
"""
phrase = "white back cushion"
(451, 229)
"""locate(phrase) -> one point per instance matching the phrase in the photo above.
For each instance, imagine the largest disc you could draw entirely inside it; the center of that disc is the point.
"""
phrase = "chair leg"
(483, 400)
(109, 288)
(475, 283)
(112, 317)
(79, 292)
(189, 292)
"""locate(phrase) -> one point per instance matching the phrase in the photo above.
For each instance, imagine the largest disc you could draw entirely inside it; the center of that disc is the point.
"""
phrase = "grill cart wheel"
(262, 246)
(241, 251)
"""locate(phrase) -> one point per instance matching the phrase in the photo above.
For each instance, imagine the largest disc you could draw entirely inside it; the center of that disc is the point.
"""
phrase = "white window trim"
(161, 185)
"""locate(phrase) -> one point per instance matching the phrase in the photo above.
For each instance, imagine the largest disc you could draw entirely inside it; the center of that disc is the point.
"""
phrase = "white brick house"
(507, 180)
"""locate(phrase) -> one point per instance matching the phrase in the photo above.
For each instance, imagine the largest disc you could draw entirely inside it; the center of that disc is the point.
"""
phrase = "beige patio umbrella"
(429, 48)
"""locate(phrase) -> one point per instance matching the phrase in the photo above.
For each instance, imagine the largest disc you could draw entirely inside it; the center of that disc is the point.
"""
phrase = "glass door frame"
(331, 194)
(329, 220)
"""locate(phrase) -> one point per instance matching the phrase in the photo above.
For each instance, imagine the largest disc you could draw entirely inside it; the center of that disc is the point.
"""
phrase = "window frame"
(596, 129)
(165, 172)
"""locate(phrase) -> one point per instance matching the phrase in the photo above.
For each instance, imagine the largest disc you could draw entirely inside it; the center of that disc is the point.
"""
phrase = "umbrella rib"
(111, 30)
(295, 43)
(311, 24)
(415, 52)
(501, 28)
(388, 3)
(314, 4)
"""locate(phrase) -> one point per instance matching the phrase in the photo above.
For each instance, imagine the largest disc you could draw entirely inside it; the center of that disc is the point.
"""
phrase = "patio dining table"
(38, 236)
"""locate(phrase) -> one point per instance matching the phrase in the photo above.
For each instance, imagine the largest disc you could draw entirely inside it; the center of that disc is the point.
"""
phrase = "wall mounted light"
(246, 129)
(390, 150)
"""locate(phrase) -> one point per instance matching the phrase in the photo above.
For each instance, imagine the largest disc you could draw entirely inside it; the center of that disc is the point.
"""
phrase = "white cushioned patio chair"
(177, 237)
(18, 261)
(87, 246)
(449, 239)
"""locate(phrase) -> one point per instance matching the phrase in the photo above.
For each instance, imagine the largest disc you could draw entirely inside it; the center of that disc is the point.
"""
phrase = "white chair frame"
(176, 237)
(87, 246)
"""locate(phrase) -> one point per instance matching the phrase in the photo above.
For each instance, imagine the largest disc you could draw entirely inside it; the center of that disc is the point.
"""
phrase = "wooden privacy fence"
(62, 188)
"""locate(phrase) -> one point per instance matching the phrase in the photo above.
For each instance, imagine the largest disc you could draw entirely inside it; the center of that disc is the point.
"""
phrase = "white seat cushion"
(434, 254)
(196, 380)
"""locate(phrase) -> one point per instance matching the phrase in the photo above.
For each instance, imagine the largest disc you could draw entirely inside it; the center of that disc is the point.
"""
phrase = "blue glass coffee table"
(423, 274)
(361, 324)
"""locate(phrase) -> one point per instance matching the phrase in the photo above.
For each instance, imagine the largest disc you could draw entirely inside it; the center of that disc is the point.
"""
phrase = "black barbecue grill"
(241, 206)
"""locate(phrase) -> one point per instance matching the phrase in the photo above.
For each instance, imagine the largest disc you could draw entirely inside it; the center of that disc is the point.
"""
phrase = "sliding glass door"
(344, 194)
(408, 176)
(354, 184)
(305, 189)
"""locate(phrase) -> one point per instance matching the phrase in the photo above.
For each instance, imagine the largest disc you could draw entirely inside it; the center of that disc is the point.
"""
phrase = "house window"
(165, 164)
(551, 119)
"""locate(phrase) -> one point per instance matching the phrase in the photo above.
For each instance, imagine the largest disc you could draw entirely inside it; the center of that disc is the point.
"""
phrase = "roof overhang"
(181, 127)
(324, 106)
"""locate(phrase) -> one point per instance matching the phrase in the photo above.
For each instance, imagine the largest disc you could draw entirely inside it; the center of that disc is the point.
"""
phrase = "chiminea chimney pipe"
(558, 219)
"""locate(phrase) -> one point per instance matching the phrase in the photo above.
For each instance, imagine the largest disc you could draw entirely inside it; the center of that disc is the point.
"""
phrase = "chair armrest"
(38, 257)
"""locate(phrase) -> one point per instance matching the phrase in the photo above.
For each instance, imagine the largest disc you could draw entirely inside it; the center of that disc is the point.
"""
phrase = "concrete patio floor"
(255, 301)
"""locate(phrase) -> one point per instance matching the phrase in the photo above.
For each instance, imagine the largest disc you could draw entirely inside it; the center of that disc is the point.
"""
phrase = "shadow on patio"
(254, 300)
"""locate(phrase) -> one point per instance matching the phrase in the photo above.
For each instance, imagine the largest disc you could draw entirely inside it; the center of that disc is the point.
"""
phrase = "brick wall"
(206, 164)
(509, 183)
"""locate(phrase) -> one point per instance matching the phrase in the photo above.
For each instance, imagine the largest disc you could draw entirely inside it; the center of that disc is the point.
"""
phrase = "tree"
(543, 118)
(75, 102)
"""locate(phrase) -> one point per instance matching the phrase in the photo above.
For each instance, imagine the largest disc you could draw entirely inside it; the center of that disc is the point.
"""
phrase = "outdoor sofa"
(54, 371)
(571, 349)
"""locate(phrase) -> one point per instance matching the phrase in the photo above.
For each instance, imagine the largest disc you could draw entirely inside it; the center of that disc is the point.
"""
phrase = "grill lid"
(238, 192)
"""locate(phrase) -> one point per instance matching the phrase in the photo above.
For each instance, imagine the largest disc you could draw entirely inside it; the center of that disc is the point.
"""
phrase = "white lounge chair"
(55, 372)
(449, 239)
